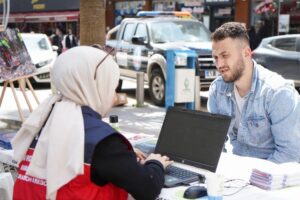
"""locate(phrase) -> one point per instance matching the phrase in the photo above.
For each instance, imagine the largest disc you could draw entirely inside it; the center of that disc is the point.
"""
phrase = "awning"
(37, 17)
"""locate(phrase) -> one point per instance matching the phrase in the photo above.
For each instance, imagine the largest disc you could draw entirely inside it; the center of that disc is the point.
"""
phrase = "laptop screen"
(193, 137)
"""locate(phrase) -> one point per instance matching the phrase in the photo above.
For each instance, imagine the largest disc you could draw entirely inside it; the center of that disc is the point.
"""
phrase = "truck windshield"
(175, 31)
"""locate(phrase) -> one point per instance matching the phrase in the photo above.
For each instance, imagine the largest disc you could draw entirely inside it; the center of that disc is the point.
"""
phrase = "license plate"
(211, 73)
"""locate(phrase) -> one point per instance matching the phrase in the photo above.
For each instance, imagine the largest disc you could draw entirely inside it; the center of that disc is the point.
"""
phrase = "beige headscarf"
(59, 153)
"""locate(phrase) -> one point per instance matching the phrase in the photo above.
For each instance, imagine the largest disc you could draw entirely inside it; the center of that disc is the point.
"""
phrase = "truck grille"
(206, 70)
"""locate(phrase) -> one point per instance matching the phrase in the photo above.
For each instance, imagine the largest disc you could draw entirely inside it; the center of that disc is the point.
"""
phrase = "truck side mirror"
(138, 40)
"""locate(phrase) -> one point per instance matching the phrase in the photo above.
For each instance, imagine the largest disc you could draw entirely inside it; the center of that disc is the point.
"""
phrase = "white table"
(231, 166)
(236, 167)
(6, 156)
(7, 163)
(6, 186)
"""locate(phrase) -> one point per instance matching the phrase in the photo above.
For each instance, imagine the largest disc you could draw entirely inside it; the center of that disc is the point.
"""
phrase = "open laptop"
(191, 138)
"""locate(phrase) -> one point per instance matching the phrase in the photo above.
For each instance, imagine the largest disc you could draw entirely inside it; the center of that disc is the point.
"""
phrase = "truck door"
(124, 49)
(139, 56)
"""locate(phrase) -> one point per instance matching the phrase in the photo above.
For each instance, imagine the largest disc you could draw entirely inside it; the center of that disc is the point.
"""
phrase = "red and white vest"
(81, 187)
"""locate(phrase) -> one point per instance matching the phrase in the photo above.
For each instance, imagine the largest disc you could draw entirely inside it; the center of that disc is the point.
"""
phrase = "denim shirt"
(270, 119)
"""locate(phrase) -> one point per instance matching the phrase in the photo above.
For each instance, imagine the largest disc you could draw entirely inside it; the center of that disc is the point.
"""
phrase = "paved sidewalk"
(147, 119)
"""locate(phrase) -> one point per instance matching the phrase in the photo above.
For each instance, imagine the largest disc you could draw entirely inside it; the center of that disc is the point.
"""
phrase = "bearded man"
(265, 108)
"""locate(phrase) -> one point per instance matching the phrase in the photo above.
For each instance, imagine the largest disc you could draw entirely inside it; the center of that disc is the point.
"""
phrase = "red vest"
(81, 187)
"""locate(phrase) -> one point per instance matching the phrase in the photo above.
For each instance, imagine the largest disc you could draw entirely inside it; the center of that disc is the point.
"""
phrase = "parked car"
(42, 54)
(281, 54)
(141, 44)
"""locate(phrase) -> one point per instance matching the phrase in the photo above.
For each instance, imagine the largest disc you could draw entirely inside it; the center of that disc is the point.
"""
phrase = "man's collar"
(254, 77)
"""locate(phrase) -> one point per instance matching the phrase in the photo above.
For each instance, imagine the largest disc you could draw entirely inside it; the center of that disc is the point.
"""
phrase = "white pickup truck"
(141, 45)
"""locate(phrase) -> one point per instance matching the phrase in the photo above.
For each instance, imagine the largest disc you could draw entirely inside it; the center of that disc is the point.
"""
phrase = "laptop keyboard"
(181, 173)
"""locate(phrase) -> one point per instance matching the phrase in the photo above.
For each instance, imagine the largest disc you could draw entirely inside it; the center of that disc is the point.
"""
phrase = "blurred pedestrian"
(255, 35)
(49, 34)
(57, 39)
(69, 40)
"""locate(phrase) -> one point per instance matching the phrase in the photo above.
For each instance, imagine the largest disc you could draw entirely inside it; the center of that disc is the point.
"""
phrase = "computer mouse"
(194, 192)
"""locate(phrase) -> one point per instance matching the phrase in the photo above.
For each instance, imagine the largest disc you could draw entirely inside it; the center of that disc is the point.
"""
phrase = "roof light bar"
(162, 13)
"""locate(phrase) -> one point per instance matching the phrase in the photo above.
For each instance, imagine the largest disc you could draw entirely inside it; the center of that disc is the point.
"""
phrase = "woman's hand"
(140, 155)
(164, 160)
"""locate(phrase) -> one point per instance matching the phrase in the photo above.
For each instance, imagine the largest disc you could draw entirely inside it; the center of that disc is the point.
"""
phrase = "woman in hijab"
(66, 151)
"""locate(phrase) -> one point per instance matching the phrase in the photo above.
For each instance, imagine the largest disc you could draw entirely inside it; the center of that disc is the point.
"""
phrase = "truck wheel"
(157, 87)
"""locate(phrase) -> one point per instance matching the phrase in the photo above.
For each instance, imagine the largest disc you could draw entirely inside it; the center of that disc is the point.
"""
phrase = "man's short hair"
(233, 30)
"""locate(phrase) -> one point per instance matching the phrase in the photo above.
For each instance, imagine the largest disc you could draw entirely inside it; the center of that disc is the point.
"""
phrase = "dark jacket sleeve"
(113, 162)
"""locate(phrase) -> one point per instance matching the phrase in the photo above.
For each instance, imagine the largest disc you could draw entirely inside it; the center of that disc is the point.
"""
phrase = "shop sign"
(223, 11)
(163, 5)
(128, 8)
(17, 6)
(37, 17)
(218, 2)
(192, 3)
(193, 9)
(192, 6)
(284, 23)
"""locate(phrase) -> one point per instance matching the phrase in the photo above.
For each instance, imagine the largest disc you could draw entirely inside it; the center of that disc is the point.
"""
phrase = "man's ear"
(247, 52)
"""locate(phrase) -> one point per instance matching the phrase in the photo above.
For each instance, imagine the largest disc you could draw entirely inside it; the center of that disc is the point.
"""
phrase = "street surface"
(147, 119)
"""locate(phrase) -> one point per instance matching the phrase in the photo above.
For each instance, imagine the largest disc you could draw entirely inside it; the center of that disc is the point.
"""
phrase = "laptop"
(192, 138)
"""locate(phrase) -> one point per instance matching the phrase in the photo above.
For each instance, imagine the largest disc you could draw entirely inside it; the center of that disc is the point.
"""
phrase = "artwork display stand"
(21, 80)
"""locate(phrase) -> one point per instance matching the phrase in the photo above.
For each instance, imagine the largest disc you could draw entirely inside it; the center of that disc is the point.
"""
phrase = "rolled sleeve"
(284, 112)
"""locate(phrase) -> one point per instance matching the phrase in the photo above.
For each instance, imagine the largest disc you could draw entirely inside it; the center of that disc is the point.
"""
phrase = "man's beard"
(237, 72)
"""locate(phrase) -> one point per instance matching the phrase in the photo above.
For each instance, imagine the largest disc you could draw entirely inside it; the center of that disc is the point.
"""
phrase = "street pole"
(278, 13)
(140, 89)
(197, 93)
